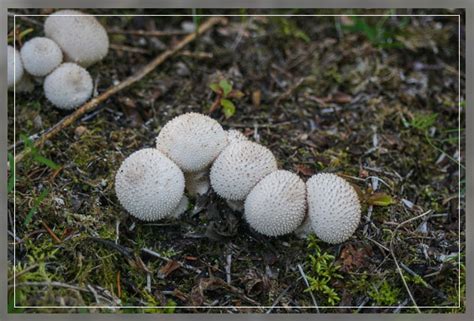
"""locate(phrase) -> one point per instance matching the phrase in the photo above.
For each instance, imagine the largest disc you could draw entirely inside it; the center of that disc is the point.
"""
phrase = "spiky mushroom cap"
(234, 136)
(239, 168)
(149, 185)
(81, 37)
(277, 204)
(41, 56)
(192, 141)
(68, 86)
(15, 67)
(333, 207)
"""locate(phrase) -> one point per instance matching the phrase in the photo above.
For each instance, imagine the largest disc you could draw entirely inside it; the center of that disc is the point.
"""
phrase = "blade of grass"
(34, 209)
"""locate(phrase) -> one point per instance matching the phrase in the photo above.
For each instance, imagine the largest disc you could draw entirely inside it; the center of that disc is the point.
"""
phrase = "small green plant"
(20, 35)
(385, 295)
(323, 272)
(423, 123)
(289, 29)
(379, 35)
(36, 204)
(35, 153)
(224, 94)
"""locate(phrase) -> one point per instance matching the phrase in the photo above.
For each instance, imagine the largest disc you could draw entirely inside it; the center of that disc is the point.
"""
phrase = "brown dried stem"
(94, 102)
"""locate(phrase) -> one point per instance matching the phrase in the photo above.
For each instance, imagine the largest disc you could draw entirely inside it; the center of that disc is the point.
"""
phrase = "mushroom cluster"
(72, 42)
(193, 153)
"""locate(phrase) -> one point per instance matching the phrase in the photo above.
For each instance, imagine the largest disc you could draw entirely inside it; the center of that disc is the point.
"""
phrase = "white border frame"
(458, 306)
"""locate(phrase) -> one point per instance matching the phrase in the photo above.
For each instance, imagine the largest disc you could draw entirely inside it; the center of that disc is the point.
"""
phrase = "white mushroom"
(15, 67)
(192, 141)
(40, 56)
(239, 168)
(234, 136)
(333, 207)
(149, 185)
(277, 204)
(68, 86)
(81, 37)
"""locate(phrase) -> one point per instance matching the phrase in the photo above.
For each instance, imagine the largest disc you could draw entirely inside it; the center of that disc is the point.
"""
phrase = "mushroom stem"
(305, 229)
(197, 183)
(181, 208)
(237, 206)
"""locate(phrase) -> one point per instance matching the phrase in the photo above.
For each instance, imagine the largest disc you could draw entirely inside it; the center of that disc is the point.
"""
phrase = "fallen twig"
(94, 102)
(149, 33)
(396, 261)
(129, 49)
(183, 265)
(307, 285)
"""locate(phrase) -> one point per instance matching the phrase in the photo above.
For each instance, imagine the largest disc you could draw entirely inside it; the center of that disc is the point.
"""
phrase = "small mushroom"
(68, 86)
(277, 204)
(149, 185)
(15, 67)
(239, 168)
(197, 183)
(81, 37)
(192, 141)
(333, 207)
(40, 56)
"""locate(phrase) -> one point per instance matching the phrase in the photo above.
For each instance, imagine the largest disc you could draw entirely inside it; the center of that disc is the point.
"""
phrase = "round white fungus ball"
(277, 204)
(68, 86)
(234, 136)
(81, 37)
(192, 141)
(149, 185)
(333, 207)
(15, 67)
(40, 56)
(239, 167)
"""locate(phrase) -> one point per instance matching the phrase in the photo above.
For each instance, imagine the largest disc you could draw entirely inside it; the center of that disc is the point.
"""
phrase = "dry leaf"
(168, 268)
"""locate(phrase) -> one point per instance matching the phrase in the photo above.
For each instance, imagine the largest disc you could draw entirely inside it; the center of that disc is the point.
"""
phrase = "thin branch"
(149, 33)
(161, 257)
(27, 19)
(308, 286)
(396, 261)
(94, 102)
(129, 49)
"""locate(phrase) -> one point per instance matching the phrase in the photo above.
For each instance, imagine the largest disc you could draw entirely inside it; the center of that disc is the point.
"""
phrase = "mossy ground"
(372, 98)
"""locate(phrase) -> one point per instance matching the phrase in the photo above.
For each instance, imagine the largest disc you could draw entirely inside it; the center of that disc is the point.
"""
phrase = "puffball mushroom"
(40, 56)
(333, 207)
(192, 141)
(277, 204)
(68, 86)
(149, 185)
(239, 167)
(234, 136)
(81, 37)
(15, 67)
